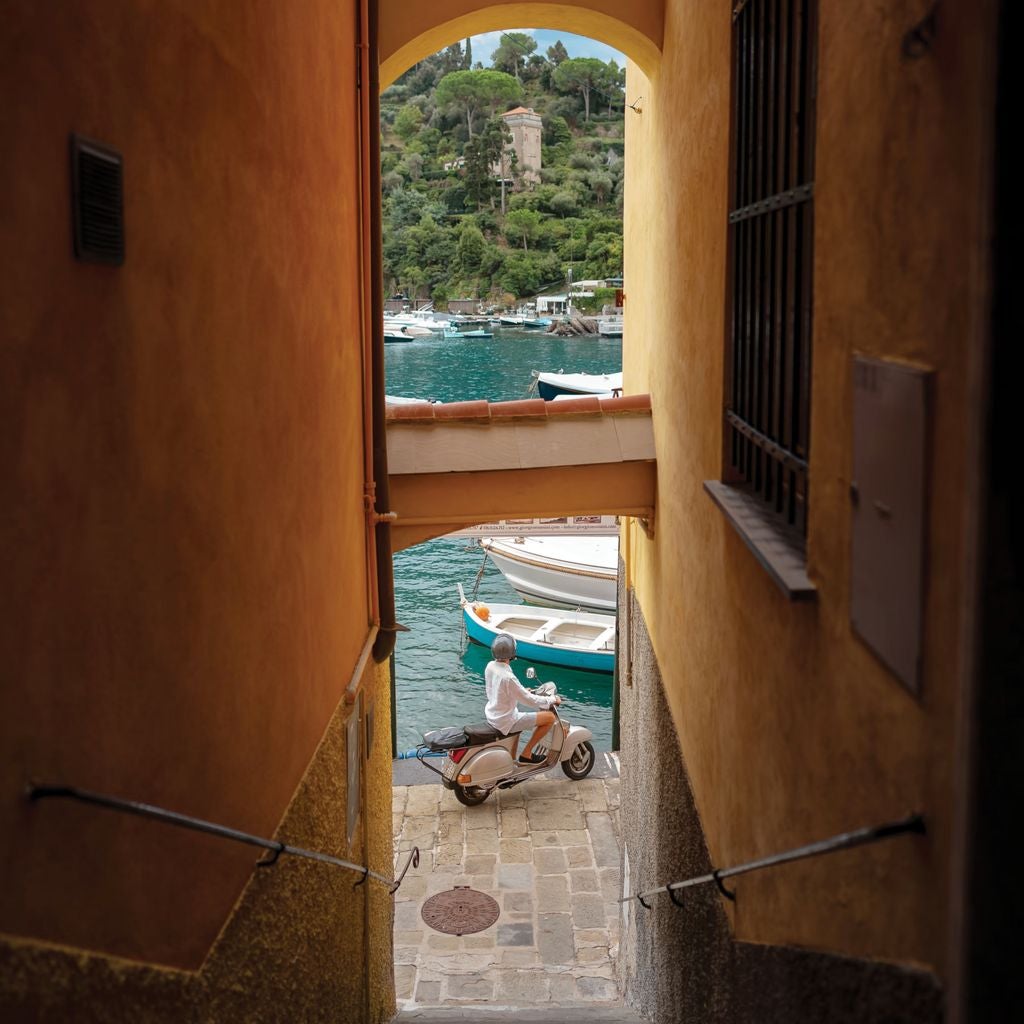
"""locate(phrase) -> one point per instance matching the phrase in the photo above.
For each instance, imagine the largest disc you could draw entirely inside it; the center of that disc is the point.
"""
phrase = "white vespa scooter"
(479, 759)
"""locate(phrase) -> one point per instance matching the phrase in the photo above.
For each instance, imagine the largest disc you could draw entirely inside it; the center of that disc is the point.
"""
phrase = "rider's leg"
(544, 722)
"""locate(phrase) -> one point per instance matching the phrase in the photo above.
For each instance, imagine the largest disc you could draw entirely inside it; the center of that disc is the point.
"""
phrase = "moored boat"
(581, 640)
(396, 334)
(551, 384)
(559, 571)
(474, 333)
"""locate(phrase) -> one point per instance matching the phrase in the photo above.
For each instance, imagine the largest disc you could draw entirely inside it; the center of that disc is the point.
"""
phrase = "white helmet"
(503, 647)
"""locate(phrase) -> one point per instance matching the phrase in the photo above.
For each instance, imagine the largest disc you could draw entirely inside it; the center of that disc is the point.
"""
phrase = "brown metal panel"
(890, 425)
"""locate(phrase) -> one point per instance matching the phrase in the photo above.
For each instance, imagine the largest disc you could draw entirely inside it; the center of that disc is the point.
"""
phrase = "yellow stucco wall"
(791, 729)
(411, 31)
(183, 547)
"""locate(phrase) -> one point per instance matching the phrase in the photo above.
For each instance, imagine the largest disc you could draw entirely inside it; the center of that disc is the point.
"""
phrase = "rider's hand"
(558, 700)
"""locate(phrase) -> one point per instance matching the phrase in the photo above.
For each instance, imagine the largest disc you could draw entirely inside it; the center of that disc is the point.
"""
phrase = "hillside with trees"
(453, 228)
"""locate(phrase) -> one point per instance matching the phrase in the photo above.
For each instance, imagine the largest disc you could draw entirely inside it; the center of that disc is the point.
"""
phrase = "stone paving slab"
(547, 852)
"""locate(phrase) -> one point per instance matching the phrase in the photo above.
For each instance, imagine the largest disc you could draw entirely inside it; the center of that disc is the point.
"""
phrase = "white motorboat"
(610, 327)
(580, 640)
(425, 318)
(551, 384)
(407, 328)
(560, 571)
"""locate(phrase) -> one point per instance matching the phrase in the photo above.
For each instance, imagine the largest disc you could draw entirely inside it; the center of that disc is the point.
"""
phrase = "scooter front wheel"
(581, 763)
(470, 796)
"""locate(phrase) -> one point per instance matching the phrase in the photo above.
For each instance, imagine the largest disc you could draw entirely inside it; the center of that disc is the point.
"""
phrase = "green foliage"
(556, 131)
(408, 121)
(472, 91)
(557, 53)
(470, 250)
(581, 74)
(444, 232)
(522, 225)
(512, 51)
(481, 154)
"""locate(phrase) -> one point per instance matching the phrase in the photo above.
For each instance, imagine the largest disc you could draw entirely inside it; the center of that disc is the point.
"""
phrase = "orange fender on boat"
(482, 611)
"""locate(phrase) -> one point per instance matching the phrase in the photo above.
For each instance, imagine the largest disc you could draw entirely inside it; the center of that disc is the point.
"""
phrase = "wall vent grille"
(97, 192)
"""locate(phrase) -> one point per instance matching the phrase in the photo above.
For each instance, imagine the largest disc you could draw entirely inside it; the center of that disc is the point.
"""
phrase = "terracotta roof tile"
(626, 403)
(527, 407)
(416, 411)
(575, 406)
(480, 410)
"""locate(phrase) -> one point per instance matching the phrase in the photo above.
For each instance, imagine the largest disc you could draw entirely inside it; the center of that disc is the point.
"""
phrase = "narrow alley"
(549, 854)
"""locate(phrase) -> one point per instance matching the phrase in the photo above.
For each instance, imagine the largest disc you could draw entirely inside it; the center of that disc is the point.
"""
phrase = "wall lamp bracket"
(637, 105)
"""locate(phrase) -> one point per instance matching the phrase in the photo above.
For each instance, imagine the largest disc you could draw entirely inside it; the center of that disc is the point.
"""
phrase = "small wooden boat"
(581, 640)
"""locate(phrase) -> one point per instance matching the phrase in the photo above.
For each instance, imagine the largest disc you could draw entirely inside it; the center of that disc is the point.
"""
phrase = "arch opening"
(410, 39)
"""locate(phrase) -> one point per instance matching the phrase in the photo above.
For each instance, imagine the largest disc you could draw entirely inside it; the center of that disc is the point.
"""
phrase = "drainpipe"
(381, 596)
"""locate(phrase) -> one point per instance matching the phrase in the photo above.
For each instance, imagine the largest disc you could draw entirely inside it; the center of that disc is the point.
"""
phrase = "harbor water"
(438, 671)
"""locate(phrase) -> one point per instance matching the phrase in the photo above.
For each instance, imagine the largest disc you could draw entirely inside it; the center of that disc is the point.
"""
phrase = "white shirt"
(504, 691)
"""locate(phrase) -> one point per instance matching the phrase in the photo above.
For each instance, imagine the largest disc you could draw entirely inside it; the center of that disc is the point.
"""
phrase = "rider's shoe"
(532, 759)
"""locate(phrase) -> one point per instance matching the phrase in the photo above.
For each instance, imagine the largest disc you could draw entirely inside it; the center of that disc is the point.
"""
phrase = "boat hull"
(535, 649)
(550, 385)
(557, 583)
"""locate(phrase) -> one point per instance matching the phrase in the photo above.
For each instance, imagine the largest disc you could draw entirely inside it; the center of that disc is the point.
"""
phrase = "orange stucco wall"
(411, 31)
(790, 727)
(183, 593)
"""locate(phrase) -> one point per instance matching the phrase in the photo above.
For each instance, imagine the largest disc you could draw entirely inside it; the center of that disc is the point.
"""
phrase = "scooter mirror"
(531, 673)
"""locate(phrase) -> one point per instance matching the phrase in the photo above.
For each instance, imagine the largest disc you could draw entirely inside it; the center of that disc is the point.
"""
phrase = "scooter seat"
(446, 739)
(484, 732)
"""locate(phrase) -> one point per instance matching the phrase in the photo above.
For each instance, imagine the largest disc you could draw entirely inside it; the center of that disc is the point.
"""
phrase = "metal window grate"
(97, 197)
(770, 253)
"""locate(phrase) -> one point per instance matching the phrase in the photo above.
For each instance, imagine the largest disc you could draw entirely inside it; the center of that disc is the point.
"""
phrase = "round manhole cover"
(460, 911)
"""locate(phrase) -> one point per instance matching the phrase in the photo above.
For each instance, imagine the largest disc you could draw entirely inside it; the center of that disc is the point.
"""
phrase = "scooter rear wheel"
(581, 763)
(470, 796)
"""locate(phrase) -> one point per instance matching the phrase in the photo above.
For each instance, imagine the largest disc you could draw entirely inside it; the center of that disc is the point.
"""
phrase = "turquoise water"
(438, 672)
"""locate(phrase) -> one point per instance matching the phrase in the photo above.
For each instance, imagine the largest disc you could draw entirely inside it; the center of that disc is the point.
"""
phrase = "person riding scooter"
(505, 692)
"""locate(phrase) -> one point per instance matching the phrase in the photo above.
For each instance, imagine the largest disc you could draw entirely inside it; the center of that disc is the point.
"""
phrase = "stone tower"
(525, 126)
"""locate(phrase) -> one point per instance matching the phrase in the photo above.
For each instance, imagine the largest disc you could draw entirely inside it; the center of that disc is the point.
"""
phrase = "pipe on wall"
(380, 584)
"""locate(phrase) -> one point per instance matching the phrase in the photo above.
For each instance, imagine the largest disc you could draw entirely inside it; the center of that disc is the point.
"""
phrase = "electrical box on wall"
(888, 496)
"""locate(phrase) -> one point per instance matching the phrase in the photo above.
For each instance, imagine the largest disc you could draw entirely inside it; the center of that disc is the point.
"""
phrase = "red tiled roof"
(528, 408)
(518, 110)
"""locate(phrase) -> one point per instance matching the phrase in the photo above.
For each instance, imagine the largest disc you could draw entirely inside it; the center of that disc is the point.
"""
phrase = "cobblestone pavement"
(548, 852)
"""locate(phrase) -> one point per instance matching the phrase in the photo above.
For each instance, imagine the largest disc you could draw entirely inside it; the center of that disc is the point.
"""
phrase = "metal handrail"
(914, 823)
(38, 791)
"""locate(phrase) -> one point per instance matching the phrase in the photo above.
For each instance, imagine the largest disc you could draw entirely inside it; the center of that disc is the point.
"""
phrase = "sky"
(578, 46)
